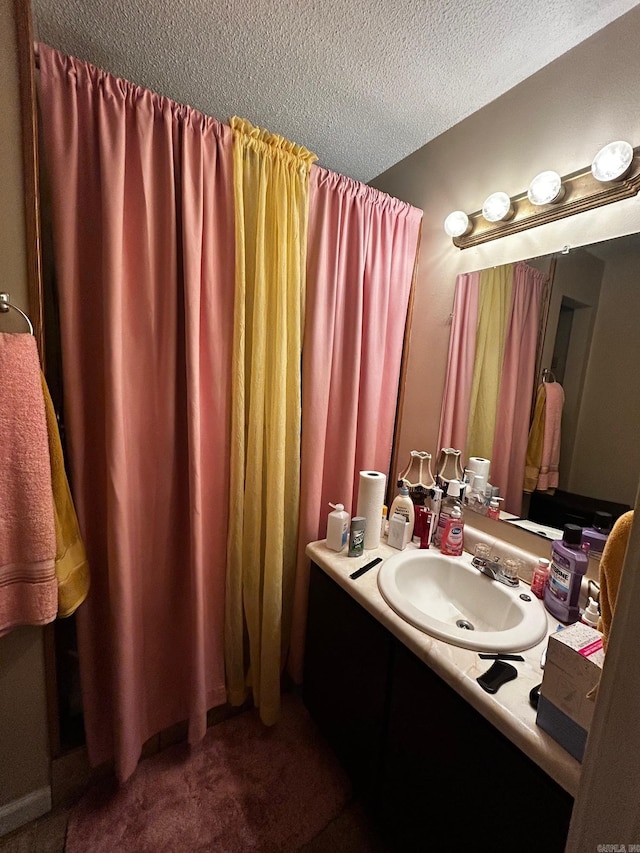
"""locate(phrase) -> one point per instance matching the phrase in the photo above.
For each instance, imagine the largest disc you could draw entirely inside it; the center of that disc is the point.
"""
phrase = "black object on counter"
(534, 695)
(497, 675)
(366, 568)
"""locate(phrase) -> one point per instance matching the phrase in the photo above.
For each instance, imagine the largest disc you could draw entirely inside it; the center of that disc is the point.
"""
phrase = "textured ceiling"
(362, 84)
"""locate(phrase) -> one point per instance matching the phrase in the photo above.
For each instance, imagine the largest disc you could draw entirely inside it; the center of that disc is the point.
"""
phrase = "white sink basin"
(434, 593)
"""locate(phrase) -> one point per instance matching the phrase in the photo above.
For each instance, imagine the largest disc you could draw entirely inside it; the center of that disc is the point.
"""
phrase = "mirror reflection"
(570, 319)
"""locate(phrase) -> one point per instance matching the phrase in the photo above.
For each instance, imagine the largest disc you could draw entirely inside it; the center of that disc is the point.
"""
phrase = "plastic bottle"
(403, 505)
(591, 615)
(383, 521)
(453, 534)
(596, 536)
(494, 508)
(568, 564)
(540, 578)
(435, 504)
(452, 500)
(337, 527)
(475, 500)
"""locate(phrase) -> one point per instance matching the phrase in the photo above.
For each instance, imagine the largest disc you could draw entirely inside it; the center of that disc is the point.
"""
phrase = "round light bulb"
(612, 162)
(545, 188)
(496, 207)
(457, 223)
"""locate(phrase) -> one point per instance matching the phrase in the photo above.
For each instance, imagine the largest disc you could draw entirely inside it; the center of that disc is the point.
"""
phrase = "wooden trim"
(33, 240)
(30, 159)
(582, 192)
(391, 482)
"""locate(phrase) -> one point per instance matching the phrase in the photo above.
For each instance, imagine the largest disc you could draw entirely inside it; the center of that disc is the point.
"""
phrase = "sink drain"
(464, 623)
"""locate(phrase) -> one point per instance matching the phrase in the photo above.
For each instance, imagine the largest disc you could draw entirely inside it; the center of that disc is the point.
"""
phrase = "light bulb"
(612, 162)
(457, 223)
(545, 188)
(497, 207)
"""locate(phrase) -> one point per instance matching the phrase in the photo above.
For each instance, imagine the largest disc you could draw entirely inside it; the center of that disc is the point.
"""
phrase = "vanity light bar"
(550, 197)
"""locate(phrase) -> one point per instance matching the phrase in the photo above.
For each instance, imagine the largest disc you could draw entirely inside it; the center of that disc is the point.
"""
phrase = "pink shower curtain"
(361, 252)
(517, 379)
(142, 200)
(454, 418)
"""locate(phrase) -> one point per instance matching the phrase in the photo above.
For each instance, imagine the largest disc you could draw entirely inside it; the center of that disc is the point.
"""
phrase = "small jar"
(540, 578)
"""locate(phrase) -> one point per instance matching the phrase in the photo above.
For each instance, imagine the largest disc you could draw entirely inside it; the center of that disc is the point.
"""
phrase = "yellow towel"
(536, 439)
(611, 564)
(72, 568)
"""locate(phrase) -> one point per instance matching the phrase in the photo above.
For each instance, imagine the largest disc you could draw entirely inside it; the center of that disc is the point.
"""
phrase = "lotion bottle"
(337, 527)
(403, 505)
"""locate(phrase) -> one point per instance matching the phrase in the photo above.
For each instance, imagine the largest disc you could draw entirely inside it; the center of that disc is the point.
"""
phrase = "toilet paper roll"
(479, 466)
(371, 489)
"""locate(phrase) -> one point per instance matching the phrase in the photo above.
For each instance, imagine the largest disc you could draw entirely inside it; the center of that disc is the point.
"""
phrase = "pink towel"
(28, 587)
(548, 476)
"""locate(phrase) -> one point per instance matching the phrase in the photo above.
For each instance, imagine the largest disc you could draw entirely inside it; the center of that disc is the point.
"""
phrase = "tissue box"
(399, 527)
(573, 668)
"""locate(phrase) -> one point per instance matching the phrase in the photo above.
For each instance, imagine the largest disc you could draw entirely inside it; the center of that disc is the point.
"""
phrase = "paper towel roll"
(371, 491)
(479, 466)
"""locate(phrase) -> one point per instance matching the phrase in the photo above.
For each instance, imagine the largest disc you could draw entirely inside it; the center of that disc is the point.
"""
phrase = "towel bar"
(5, 304)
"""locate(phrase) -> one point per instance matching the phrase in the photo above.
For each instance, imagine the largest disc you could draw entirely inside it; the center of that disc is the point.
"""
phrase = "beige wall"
(24, 759)
(578, 277)
(606, 455)
(556, 119)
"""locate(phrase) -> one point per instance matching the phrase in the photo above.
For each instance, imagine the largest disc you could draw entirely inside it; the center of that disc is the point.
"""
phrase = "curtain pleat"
(494, 302)
(271, 179)
(454, 419)
(517, 380)
(143, 238)
(362, 248)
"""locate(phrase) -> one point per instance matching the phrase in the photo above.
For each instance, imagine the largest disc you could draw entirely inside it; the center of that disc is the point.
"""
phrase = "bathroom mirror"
(592, 347)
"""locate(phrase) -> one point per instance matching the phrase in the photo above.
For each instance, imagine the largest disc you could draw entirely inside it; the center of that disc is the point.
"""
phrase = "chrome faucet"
(496, 570)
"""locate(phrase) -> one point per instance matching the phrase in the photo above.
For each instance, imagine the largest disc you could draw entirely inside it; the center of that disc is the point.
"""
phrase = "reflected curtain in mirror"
(491, 371)
(494, 299)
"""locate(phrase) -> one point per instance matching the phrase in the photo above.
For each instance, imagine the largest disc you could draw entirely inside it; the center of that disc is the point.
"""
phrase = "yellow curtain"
(271, 188)
(494, 302)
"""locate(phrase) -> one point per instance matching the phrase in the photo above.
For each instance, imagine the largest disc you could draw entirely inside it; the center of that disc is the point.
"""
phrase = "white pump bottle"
(337, 527)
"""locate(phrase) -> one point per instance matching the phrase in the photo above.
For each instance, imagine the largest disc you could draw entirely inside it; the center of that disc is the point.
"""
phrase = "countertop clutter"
(508, 710)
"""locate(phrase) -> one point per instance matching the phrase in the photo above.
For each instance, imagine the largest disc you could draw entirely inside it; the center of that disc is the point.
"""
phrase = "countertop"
(508, 710)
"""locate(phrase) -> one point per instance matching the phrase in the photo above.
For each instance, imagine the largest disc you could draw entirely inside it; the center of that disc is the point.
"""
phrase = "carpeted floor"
(244, 788)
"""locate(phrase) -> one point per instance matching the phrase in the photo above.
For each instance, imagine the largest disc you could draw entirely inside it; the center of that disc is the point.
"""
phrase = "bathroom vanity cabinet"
(436, 773)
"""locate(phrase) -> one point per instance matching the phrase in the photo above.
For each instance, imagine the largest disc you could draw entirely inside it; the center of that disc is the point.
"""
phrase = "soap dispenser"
(494, 508)
(451, 500)
(453, 535)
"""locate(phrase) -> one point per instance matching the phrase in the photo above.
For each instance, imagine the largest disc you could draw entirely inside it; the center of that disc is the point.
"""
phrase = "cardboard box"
(574, 664)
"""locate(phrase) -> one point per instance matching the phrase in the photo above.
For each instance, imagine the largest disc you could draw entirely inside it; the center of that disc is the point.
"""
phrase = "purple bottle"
(596, 536)
(568, 564)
